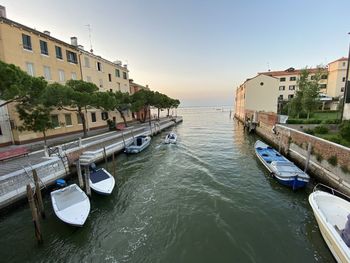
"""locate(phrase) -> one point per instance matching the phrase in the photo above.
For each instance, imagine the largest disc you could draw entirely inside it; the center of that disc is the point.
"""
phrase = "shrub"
(345, 169)
(321, 129)
(319, 157)
(331, 121)
(333, 160)
(334, 138)
(312, 121)
(345, 130)
(309, 131)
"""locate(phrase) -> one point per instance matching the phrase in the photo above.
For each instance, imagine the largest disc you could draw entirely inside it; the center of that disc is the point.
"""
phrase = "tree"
(142, 100)
(33, 111)
(15, 84)
(76, 95)
(123, 101)
(160, 101)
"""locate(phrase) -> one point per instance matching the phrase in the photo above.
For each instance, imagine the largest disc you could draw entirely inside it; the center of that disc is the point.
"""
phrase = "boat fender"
(61, 183)
(93, 167)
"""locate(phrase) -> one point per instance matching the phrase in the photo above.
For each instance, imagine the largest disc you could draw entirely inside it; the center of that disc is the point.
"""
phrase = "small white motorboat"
(170, 138)
(332, 214)
(71, 205)
(101, 181)
(139, 144)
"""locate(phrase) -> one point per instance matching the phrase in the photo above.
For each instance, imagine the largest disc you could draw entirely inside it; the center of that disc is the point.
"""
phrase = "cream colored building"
(288, 81)
(256, 94)
(336, 77)
(40, 54)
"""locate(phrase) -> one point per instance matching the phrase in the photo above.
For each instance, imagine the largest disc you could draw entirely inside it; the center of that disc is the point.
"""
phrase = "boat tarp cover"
(98, 176)
(345, 233)
(270, 155)
(138, 141)
(67, 198)
(286, 167)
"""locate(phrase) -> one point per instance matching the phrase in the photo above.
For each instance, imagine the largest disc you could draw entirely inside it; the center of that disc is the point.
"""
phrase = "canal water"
(206, 199)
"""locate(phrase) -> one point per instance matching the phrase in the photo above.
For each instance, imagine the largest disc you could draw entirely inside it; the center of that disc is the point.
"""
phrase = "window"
(125, 76)
(342, 89)
(324, 77)
(72, 57)
(86, 62)
(27, 42)
(117, 73)
(30, 69)
(110, 90)
(343, 79)
(47, 73)
(323, 86)
(61, 76)
(104, 115)
(118, 85)
(74, 75)
(79, 120)
(43, 47)
(293, 78)
(99, 66)
(101, 83)
(68, 119)
(93, 116)
(282, 87)
(54, 120)
(1, 131)
(344, 64)
(282, 79)
(312, 77)
(58, 52)
(110, 77)
(290, 96)
(292, 87)
(280, 97)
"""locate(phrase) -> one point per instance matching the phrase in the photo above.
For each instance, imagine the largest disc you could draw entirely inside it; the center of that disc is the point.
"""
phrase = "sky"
(197, 51)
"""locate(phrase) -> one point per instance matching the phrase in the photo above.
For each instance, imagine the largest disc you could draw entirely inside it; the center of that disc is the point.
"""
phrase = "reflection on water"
(206, 199)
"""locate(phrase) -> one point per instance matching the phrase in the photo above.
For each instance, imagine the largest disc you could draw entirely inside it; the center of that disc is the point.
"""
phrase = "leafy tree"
(76, 95)
(142, 100)
(160, 101)
(123, 104)
(15, 84)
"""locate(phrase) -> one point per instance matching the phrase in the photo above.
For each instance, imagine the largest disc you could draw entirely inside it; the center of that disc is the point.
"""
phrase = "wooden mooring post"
(105, 157)
(87, 183)
(35, 217)
(38, 196)
(80, 176)
(123, 139)
(308, 156)
(113, 165)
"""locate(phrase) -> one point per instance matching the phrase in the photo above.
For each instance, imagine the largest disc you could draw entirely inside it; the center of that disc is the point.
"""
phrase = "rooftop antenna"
(89, 28)
(268, 66)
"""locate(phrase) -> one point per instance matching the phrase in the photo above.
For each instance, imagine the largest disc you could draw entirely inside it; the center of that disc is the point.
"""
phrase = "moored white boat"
(71, 205)
(286, 172)
(101, 181)
(171, 137)
(331, 213)
(139, 144)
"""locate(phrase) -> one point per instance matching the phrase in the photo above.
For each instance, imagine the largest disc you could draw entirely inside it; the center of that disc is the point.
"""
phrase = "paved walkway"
(68, 141)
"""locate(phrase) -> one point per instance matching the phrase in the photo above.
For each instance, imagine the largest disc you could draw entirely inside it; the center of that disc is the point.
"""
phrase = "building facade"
(256, 94)
(40, 54)
(336, 77)
(134, 87)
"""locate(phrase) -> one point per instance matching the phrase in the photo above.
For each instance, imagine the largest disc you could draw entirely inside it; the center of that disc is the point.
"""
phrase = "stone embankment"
(328, 163)
(58, 162)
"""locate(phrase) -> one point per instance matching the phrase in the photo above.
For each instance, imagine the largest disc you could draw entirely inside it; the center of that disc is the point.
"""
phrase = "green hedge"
(303, 121)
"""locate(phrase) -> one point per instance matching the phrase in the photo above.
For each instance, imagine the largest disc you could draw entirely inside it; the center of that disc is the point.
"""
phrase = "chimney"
(125, 66)
(81, 47)
(47, 32)
(2, 11)
(74, 41)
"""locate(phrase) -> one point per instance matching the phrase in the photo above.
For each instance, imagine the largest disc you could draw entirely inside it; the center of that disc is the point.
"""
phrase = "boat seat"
(139, 141)
(259, 148)
(265, 155)
(278, 155)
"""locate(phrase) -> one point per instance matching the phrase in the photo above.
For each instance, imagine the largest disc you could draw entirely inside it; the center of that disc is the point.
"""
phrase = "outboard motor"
(93, 167)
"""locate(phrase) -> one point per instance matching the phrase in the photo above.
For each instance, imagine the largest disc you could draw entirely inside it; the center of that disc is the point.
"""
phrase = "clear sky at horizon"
(197, 51)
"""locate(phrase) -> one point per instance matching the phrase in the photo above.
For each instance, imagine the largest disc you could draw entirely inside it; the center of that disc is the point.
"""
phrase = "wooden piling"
(105, 157)
(123, 139)
(80, 176)
(35, 217)
(38, 196)
(87, 183)
(132, 133)
(308, 156)
(113, 165)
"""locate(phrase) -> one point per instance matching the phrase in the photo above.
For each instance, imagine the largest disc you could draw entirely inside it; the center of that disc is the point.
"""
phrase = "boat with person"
(285, 171)
(171, 137)
(101, 181)
(332, 213)
(71, 205)
(139, 144)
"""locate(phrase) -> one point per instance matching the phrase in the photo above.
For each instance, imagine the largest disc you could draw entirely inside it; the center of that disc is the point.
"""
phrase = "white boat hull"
(104, 187)
(71, 205)
(331, 212)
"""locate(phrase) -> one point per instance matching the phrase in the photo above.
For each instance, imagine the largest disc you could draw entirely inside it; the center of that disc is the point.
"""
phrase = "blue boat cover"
(98, 176)
(345, 233)
(269, 154)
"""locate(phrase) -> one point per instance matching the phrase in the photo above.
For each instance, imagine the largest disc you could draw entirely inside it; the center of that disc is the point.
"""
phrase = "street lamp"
(346, 97)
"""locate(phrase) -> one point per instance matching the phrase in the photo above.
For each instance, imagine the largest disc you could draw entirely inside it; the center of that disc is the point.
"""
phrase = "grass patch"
(333, 160)
(327, 115)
